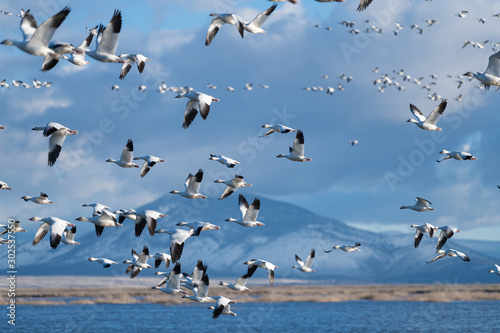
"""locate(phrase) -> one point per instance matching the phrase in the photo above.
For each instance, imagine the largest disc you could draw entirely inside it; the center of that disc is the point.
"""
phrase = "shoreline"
(81, 290)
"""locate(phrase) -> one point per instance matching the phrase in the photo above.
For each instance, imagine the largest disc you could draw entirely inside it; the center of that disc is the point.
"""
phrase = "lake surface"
(353, 316)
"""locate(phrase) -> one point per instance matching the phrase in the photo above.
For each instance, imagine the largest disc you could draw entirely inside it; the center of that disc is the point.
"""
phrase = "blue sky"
(363, 185)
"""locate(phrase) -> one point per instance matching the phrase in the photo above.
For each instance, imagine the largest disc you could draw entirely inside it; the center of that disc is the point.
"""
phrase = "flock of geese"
(37, 41)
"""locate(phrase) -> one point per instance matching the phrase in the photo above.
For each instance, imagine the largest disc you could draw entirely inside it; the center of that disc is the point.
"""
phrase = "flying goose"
(191, 281)
(346, 248)
(78, 58)
(232, 185)
(238, 285)
(159, 257)
(130, 59)
(107, 41)
(277, 128)
(54, 225)
(126, 157)
(422, 205)
(219, 21)
(106, 263)
(421, 230)
(192, 186)
(446, 232)
(458, 155)
(305, 267)
(201, 291)
(97, 208)
(69, 236)
(198, 226)
(17, 228)
(491, 76)
(174, 282)
(229, 162)
(428, 123)
(497, 272)
(363, 4)
(451, 253)
(57, 133)
(149, 162)
(36, 38)
(43, 199)
(249, 213)
(177, 239)
(296, 153)
(146, 217)
(4, 186)
(138, 263)
(197, 102)
(106, 219)
(253, 264)
(255, 26)
(223, 306)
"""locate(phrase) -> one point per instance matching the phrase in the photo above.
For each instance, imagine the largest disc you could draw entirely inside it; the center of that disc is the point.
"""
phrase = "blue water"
(345, 317)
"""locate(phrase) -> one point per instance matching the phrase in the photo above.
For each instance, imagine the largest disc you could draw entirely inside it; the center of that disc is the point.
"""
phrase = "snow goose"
(198, 226)
(130, 59)
(305, 267)
(7, 228)
(174, 282)
(296, 153)
(428, 123)
(238, 285)
(446, 232)
(4, 241)
(36, 38)
(106, 263)
(249, 213)
(54, 225)
(69, 236)
(123, 214)
(97, 208)
(191, 281)
(201, 291)
(363, 4)
(149, 162)
(192, 186)
(422, 205)
(232, 185)
(346, 248)
(219, 21)
(107, 41)
(253, 264)
(197, 102)
(255, 26)
(78, 58)
(146, 217)
(43, 199)
(4, 186)
(451, 253)
(497, 271)
(277, 128)
(2, 127)
(177, 239)
(229, 162)
(106, 219)
(458, 155)
(126, 157)
(159, 257)
(138, 263)
(57, 133)
(421, 230)
(223, 306)
(491, 76)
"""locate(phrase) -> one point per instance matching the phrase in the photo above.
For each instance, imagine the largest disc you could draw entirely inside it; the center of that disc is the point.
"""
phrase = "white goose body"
(496, 271)
(249, 213)
(227, 161)
(149, 162)
(457, 155)
(197, 102)
(428, 123)
(43, 199)
(107, 41)
(126, 157)
(201, 291)
(422, 205)
(57, 133)
(346, 248)
(4, 186)
(106, 263)
(198, 226)
(232, 185)
(446, 232)
(177, 239)
(223, 306)
(238, 285)
(491, 76)
(174, 282)
(192, 186)
(421, 230)
(305, 267)
(69, 236)
(296, 152)
(106, 219)
(450, 252)
(130, 59)
(277, 129)
(97, 208)
(138, 263)
(146, 217)
(54, 225)
(253, 264)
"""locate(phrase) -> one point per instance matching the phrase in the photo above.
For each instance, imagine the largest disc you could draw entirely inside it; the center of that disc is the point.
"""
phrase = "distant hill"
(288, 230)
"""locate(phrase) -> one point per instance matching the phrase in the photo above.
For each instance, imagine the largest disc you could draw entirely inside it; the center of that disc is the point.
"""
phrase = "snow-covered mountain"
(288, 230)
